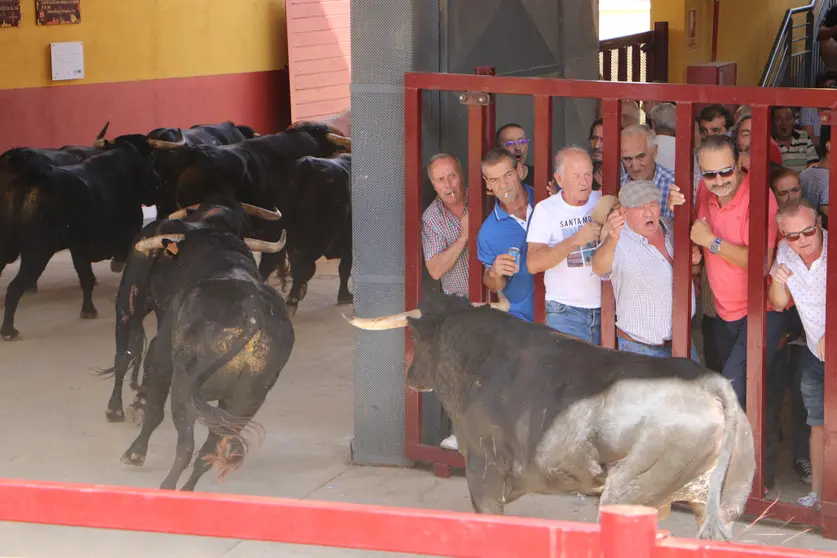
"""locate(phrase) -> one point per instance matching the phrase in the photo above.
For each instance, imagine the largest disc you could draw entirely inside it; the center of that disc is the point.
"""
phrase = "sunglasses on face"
(807, 233)
(723, 173)
(512, 143)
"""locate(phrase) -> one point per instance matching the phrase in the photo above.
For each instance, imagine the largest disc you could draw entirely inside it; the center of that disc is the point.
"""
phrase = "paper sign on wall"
(9, 13)
(56, 12)
(67, 60)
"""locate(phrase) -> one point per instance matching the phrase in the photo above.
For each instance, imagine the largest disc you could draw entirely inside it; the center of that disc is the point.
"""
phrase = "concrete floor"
(53, 411)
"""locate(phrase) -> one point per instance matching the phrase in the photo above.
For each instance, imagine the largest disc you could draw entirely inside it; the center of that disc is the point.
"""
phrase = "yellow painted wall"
(127, 40)
(746, 30)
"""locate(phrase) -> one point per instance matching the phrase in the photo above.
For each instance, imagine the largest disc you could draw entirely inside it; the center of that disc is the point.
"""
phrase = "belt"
(626, 337)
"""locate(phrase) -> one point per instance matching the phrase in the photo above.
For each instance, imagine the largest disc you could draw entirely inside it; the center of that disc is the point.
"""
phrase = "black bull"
(319, 224)
(224, 337)
(536, 411)
(139, 295)
(93, 208)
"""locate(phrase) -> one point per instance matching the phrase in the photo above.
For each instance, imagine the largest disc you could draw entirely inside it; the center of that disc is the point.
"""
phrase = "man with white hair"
(639, 154)
(561, 241)
(800, 271)
(663, 120)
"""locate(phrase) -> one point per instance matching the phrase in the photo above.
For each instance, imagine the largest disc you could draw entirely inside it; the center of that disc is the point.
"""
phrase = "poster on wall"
(56, 12)
(9, 13)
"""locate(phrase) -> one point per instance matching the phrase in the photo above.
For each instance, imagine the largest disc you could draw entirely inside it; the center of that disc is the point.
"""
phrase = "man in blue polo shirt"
(505, 228)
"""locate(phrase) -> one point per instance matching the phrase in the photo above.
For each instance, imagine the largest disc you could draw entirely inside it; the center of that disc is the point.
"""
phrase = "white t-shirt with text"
(571, 282)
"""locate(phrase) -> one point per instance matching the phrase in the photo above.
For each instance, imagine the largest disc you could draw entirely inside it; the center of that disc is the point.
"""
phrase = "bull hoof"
(10, 334)
(116, 266)
(134, 459)
(115, 416)
(89, 314)
(136, 413)
(291, 312)
(345, 299)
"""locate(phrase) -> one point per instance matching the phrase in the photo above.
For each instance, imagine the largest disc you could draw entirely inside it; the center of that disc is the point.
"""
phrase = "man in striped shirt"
(637, 257)
(444, 226)
(797, 148)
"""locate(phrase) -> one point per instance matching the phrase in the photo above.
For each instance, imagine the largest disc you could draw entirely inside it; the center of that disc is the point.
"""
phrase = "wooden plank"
(308, 67)
(317, 38)
(323, 79)
(309, 110)
(297, 11)
(306, 96)
(321, 51)
(321, 23)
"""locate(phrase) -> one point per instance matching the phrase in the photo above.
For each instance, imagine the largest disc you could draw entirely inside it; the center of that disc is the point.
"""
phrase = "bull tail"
(234, 444)
(714, 525)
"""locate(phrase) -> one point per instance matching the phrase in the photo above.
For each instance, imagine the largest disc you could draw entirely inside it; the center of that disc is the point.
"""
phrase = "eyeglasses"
(806, 232)
(512, 143)
(723, 173)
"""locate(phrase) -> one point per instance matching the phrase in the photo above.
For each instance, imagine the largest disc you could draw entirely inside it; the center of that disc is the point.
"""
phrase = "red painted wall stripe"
(61, 115)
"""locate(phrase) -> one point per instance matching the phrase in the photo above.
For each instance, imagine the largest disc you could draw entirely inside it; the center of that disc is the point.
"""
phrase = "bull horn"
(338, 140)
(147, 244)
(160, 144)
(104, 131)
(265, 246)
(502, 306)
(394, 321)
(181, 213)
(256, 135)
(261, 213)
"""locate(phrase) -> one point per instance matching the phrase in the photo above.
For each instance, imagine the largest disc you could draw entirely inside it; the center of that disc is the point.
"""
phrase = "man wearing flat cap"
(637, 258)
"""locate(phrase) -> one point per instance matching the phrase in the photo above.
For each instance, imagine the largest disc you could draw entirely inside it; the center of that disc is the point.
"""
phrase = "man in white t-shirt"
(562, 238)
(800, 271)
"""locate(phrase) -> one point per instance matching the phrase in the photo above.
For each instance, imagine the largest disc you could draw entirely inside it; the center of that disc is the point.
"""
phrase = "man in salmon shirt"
(722, 228)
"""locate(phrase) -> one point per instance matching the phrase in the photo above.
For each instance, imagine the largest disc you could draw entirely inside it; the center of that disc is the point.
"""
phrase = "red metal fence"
(624, 532)
(610, 93)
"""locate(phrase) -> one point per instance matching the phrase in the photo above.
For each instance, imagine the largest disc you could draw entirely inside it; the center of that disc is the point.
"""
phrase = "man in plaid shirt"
(444, 226)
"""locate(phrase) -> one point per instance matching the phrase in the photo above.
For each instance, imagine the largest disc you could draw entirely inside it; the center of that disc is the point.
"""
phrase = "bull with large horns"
(537, 411)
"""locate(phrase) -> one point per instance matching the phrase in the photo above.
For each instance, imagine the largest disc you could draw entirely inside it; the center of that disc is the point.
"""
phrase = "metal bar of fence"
(625, 531)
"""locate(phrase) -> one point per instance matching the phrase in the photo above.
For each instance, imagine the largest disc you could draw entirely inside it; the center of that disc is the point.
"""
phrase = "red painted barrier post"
(628, 531)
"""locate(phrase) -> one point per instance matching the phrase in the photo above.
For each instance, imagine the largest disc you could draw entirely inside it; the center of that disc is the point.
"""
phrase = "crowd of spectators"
(578, 238)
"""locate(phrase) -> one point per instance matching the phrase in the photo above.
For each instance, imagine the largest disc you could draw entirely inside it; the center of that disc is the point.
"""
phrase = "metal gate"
(642, 57)
(686, 96)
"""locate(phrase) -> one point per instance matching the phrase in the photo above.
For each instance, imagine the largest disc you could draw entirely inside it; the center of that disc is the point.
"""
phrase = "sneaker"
(802, 468)
(810, 501)
(450, 443)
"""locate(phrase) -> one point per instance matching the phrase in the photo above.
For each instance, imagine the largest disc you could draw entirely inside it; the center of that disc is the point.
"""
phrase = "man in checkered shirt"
(444, 226)
(637, 257)
(639, 154)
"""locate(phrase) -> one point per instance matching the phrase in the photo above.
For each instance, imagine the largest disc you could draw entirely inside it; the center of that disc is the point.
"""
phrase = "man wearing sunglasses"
(513, 137)
(722, 229)
(800, 271)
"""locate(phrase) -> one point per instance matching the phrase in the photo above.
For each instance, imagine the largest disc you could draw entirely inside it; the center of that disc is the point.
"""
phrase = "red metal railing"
(610, 93)
(624, 532)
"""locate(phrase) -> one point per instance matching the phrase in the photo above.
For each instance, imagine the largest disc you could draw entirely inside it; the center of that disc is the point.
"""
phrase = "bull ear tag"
(171, 248)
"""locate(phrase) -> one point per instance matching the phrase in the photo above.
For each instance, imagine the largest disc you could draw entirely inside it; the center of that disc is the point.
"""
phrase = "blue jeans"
(639, 348)
(584, 323)
(813, 386)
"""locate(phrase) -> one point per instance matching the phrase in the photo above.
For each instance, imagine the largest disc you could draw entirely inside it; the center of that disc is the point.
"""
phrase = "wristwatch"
(715, 247)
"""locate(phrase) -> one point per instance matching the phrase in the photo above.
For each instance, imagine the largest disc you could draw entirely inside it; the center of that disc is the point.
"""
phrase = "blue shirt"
(498, 233)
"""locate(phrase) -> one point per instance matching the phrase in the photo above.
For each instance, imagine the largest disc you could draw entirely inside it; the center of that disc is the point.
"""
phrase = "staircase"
(795, 58)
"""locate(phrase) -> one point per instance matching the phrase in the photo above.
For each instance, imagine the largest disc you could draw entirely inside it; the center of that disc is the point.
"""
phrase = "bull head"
(145, 245)
(396, 321)
(251, 210)
(169, 145)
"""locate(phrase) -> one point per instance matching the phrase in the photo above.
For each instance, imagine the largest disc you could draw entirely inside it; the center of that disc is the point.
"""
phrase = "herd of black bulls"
(222, 192)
